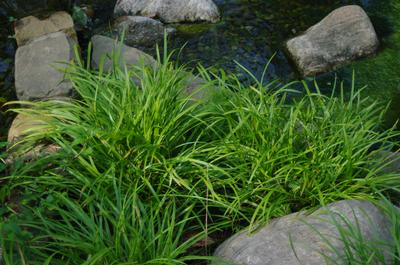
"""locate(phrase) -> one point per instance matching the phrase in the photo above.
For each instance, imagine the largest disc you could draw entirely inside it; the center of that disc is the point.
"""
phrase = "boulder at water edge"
(141, 31)
(344, 35)
(170, 11)
(105, 48)
(38, 67)
(299, 238)
(30, 28)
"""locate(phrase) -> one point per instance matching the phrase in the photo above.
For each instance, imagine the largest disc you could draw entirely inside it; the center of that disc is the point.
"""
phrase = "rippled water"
(250, 33)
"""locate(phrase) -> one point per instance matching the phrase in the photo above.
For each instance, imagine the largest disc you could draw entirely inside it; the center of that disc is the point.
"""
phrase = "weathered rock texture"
(38, 67)
(30, 28)
(170, 11)
(21, 126)
(344, 35)
(105, 48)
(274, 243)
(141, 31)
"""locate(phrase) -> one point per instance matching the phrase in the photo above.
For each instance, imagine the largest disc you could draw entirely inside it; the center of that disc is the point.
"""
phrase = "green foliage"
(141, 162)
(3, 145)
(116, 229)
(286, 157)
(79, 16)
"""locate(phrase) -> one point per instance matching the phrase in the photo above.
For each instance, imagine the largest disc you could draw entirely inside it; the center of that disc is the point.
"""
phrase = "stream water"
(250, 33)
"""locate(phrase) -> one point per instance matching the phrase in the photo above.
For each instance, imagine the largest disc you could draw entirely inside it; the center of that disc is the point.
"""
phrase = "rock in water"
(170, 11)
(344, 35)
(299, 238)
(104, 48)
(30, 28)
(141, 31)
(37, 67)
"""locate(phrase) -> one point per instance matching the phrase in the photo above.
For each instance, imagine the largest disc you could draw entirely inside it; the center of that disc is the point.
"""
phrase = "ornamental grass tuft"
(146, 172)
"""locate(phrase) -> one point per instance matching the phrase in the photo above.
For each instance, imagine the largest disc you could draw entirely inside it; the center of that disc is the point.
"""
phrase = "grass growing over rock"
(147, 175)
(357, 249)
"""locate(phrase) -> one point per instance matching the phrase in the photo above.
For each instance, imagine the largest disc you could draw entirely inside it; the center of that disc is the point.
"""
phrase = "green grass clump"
(113, 229)
(286, 157)
(146, 173)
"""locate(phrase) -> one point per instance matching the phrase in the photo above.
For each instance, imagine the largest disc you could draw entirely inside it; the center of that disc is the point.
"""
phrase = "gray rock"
(170, 11)
(21, 127)
(141, 31)
(104, 48)
(30, 28)
(130, 7)
(274, 243)
(19, 153)
(390, 162)
(198, 89)
(37, 67)
(344, 35)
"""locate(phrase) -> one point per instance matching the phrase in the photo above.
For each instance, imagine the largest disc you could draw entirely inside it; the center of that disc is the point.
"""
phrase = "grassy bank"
(148, 175)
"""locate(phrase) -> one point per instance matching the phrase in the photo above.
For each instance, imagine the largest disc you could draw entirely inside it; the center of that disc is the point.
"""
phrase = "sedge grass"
(113, 229)
(242, 157)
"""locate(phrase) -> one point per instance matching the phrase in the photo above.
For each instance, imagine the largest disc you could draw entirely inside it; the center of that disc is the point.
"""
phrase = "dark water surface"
(250, 33)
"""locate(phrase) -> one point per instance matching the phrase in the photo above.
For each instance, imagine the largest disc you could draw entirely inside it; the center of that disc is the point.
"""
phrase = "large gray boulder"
(299, 238)
(170, 11)
(37, 67)
(344, 35)
(141, 31)
(105, 48)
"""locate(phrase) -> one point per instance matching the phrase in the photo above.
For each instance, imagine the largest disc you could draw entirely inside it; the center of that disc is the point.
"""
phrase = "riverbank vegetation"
(147, 174)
